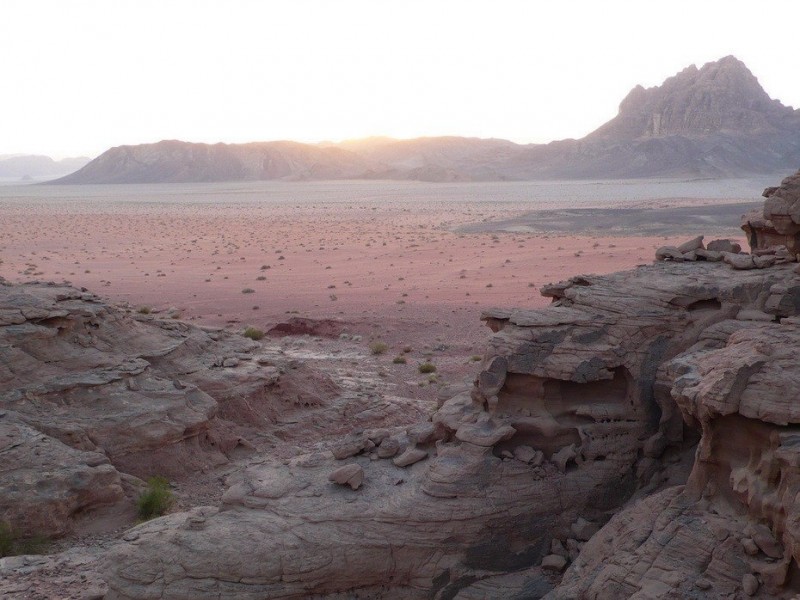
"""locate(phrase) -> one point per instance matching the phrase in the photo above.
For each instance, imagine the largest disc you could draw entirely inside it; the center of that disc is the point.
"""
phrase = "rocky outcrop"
(580, 410)
(91, 394)
(776, 228)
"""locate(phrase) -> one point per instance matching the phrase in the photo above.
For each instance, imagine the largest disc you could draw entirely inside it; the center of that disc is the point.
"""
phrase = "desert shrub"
(144, 310)
(6, 540)
(427, 367)
(378, 347)
(253, 333)
(155, 500)
(476, 358)
(399, 360)
(11, 545)
(248, 291)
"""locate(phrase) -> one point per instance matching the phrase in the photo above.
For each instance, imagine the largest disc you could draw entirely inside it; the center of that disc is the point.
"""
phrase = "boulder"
(352, 475)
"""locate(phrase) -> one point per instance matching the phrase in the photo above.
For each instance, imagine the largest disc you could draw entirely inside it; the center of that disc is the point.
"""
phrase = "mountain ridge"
(712, 121)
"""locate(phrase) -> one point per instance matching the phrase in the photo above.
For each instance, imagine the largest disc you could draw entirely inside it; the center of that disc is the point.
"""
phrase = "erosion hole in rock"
(547, 413)
(707, 304)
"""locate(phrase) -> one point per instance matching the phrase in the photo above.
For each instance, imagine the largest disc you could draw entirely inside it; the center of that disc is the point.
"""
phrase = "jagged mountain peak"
(722, 95)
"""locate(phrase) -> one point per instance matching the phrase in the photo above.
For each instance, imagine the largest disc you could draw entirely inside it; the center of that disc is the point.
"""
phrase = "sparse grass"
(155, 500)
(253, 333)
(399, 360)
(6, 540)
(144, 310)
(476, 358)
(248, 291)
(378, 347)
(11, 545)
(427, 367)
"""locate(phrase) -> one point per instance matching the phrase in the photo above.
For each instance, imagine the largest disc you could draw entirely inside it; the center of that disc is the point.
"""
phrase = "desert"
(440, 301)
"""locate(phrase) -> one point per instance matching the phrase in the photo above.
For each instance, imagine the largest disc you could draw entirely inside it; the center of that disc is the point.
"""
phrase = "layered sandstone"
(579, 411)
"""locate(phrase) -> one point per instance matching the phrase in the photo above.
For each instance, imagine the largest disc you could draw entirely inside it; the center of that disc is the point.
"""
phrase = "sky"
(80, 76)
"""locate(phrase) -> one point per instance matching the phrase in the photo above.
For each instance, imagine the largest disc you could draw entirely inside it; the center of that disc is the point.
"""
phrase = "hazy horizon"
(92, 75)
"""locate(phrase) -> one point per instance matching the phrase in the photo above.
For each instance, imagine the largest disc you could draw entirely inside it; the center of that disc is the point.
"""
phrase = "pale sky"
(79, 77)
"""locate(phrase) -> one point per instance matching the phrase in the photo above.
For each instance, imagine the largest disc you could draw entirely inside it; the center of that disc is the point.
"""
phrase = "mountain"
(24, 166)
(715, 121)
(175, 161)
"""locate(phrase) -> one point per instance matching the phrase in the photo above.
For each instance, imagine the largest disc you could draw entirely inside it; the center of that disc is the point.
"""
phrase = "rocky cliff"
(714, 121)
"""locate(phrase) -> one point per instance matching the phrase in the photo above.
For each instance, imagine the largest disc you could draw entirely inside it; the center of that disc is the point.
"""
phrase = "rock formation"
(638, 438)
(94, 397)
(598, 384)
(714, 121)
(778, 225)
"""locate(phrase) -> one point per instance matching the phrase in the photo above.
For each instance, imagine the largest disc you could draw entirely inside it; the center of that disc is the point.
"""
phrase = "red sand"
(394, 270)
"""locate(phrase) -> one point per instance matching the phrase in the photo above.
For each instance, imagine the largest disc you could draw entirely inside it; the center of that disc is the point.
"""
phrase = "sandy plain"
(408, 263)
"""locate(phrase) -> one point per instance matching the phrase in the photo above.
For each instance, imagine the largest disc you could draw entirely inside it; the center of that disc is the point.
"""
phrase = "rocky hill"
(637, 438)
(715, 121)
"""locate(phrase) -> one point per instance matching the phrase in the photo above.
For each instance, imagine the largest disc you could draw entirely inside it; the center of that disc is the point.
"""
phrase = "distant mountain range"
(32, 167)
(715, 121)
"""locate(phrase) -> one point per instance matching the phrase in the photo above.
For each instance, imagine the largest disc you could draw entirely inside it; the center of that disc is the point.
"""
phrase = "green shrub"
(155, 500)
(378, 347)
(11, 545)
(253, 333)
(6, 540)
(427, 367)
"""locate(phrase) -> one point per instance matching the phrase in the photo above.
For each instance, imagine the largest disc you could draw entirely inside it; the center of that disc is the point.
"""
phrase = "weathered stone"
(409, 457)
(750, 584)
(724, 245)
(554, 562)
(352, 475)
(669, 253)
(691, 245)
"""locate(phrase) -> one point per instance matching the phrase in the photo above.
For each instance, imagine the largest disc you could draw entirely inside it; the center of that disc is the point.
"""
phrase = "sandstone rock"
(740, 262)
(528, 455)
(763, 538)
(693, 244)
(554, 562)
(711, 255)
(724, 245)
(409, 457)
(669, 253)
(349, 447)
(762, 262)
(388, 448)
(750, 584)
(563, 456)
(556, 547)
(352, 475)
(485, 432)
(613, 362)
(583, 529)
(749, 546)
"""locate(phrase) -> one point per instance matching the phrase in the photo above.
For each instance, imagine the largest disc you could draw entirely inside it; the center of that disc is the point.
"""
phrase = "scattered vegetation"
(378, 347)
(476, 358)
(144, 310)
(155, 500)
(427, 367)
(11, 545)
(399, 360)
(253, 332)
(248, 291)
